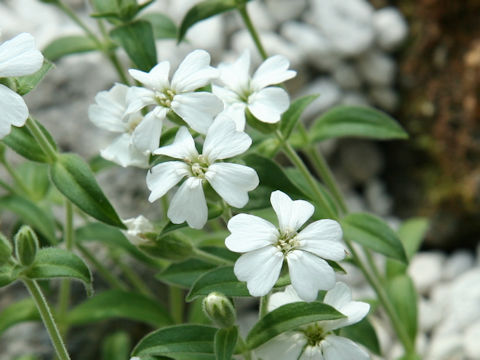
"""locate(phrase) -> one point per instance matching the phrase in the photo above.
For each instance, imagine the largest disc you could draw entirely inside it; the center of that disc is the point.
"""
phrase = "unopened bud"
(5, 249)
(137, 228)
(26, 245)
(219, 309)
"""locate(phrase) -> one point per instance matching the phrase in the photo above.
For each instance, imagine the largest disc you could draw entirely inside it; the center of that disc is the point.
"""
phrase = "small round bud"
(5, 249)
(219, 309)
(26, 245)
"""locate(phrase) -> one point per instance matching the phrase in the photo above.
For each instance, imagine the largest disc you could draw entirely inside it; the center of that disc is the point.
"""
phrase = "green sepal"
(27, 83)
(173, 247)
(26, 245)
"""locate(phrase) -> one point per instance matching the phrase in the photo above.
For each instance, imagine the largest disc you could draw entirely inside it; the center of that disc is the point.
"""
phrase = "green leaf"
(98, 164)
(373, 233)
(35, 177)
(31, 214)
(52, 263)
(23, 143)
(182, 342)
(68, 45)
(364, 334)
(27, 83)
(291, 116)
(202, 11)
(138, 41)
(18, 312)
(184, 274)
(289, 317)
(116, 346)
(224, 342)
(403, 295)
(356, 121)
(120, 304)
(6, 275)
(221, 279)
(74, 179)
(163, 26)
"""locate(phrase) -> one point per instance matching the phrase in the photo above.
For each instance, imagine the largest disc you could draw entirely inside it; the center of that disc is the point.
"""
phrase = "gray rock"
(458, 263)
(390, 26)
(377, 68)
(426, 270)
(284, 10)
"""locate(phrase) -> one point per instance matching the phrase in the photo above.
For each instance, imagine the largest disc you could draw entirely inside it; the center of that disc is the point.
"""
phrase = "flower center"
(133, 123)
(314, 334)
(198, 166)
(164, 98)
(287, 241)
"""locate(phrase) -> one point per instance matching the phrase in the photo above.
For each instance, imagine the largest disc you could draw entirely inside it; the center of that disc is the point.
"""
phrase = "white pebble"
(284, 10)
(346, 76)
(426, 270)
(390, 26)
(377, 68)
(471, 341)
(384, 97)
(445, 347)
(457, 263)
(329, 95)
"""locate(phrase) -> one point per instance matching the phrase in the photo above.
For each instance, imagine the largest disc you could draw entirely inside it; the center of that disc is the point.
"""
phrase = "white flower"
(18, 57)
(317, 341)
(136, 227)
(196, 108)
(109, 113)
(231, 181)
(266, 103)
(265, 248)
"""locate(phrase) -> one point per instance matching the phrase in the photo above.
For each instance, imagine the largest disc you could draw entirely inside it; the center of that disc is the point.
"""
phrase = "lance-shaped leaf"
(356, 121)
(138, 41)
(73, 177)
(23, 143)
(163, 26)
(51, 263)
(184, 274)
(373, 233)
(120, 304)
(18, 312)
(27, 83)
(68, 45)
(221, 279)
(182, 342)
(202, 11)
(289, 317)
(225, 341)
(292, 115)
(364, 334)
(31, 214)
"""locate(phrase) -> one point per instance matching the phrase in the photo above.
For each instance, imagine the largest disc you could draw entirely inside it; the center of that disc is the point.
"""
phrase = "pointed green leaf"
(138, 41)
(182, 342)
(52, 263)
(364, 334)
(18, 312)
(373, 233)
(221, 279)
(184, 274)
(289, 317)
(74, 179)
(27, 83)
(202, 11)
(23, 143)
(35, 177)
(120, 304)
(225, 341)
(163, 26)
(68, 45)
(356, 121)
(31, 214)
(292, 115)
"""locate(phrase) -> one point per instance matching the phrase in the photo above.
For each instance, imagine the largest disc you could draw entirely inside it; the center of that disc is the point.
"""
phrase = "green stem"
(104, 272)
(253, 32)
(176, 304)
(47, 318)
(132, 277)
(210, 258)
(244, 348)
(263, 310)
(7, 187)
(42, 140)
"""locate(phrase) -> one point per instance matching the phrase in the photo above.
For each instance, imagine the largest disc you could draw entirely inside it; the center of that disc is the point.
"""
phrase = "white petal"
(260, 269)
(224, 140)
(292, 214)
(249, 232)
(183, 147)
(226, 95)
(197, 109)
(13, 110)
(313, 353)
(272, 71)
(146, 135)
(138, 98)
(286, 346)
(189, 204)
(236, 76)
(235, 112)
(323, 238)
(232, 182)
(19, 56)
(123, 153)
(340, 348)
(194, 72)
(163, 177)
(309, 274)
(268, 104)
(109, 110)
(156, 79)
(289, 295)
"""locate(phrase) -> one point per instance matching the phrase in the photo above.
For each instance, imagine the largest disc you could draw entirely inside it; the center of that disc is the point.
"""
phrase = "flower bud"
(219, 309)
(26, 245)
(5, 249)
(137, 228)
